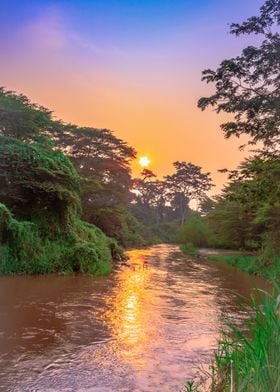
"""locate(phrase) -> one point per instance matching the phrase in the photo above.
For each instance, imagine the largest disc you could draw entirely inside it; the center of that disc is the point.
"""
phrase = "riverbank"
(249, 262)
(247, 357)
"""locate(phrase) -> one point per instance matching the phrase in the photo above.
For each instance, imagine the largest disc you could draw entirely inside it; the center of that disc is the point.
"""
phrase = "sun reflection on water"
(128, 317)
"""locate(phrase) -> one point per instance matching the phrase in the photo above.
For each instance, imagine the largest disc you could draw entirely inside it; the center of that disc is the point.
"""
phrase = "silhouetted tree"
(103, 162)
(248, 86)
(186, 184)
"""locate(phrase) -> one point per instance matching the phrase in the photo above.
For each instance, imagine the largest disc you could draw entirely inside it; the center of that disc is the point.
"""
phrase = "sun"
(144, 161)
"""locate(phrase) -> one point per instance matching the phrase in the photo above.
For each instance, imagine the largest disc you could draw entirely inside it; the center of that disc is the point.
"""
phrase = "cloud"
(47, 30)
(90, 47)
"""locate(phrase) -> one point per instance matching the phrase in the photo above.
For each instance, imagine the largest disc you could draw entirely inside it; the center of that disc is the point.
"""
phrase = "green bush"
(197, 232)
(165, 232)
(39, 184)
(23, 251)
(40, 226)
(189, 249)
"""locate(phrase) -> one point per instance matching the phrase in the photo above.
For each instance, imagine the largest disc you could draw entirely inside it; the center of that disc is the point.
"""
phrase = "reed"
(248, 357)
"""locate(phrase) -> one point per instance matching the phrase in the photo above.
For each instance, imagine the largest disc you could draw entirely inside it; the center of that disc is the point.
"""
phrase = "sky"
(133, 67)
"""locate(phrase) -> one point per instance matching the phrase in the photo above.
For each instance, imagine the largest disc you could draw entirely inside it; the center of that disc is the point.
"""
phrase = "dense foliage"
(103, 162)
(20, 118)
(25, 249)
(41, 229)
(37, 181)
(196, 232)
(164, 205)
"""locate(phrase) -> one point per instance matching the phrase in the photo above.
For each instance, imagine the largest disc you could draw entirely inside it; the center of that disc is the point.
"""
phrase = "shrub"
(189, 249)
(24, 251)
(196, 231)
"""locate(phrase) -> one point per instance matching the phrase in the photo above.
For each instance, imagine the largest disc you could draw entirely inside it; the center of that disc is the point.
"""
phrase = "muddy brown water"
(146, 327)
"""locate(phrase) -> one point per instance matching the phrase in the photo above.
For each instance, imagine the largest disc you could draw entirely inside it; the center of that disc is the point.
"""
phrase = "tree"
(143, 188)
(38, 183)
(41, 230)
(247, 213)
(186, 184)
(103, 162)
(40, 226)
(232, 223)
(248, 86)
(259, 191)
(20, 118)
(206, 205)
(98, 155)
(195, 232)
(150, 194)
(101, 159)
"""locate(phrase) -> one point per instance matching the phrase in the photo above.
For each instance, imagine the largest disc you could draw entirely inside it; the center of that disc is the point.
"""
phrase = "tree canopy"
(40, 207)
(186, 184)
(36, 180)
(20, 118)
(248, 86)
(103, 162)
(101, 159)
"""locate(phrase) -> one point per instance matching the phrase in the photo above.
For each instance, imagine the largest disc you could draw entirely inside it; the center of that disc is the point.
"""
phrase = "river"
(146, 327)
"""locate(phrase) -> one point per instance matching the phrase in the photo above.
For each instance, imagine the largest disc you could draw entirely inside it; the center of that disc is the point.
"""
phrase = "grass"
(189, 249)
(246, 263)
(248, 357)
(252, 264)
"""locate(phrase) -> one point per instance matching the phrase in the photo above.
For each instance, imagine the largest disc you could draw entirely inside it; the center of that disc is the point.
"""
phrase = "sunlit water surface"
(146, 327)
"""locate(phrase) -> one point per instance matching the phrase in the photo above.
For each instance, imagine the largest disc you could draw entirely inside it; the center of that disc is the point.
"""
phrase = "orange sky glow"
(143, 84)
